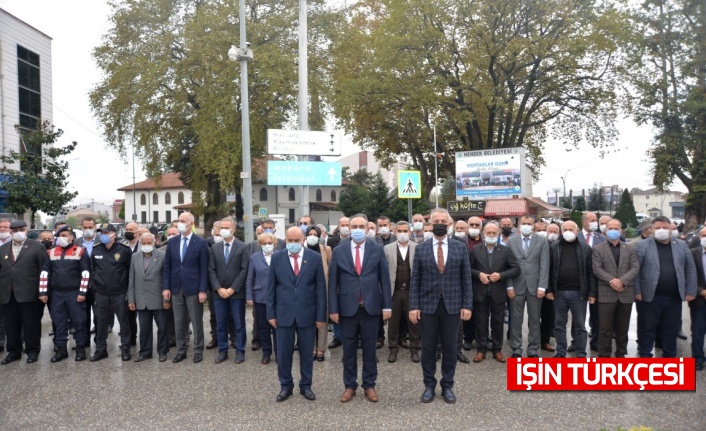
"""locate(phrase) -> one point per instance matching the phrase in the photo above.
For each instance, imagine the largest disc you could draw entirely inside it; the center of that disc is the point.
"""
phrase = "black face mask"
(507, 231)
(129, 236)
(440, 230)
(48, 243)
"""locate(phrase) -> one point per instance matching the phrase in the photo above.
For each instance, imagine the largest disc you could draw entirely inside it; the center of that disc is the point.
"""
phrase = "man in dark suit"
(359, 292)
(589, 234)
(22, 293)
(696, 307)
(296, 305)
(185, 280)
(88, 241)
(493, 267)
(385, 236)
(440, 294)
(343, 231)
(228, 270)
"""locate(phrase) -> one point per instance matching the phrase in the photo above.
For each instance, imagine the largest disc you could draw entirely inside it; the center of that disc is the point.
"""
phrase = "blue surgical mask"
(294, 247)
(105, 238)
(613, 235)
(304, 228)
(358, 235)
(268, 231)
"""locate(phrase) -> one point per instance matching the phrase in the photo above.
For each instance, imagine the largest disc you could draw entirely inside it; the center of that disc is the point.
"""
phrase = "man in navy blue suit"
(440, 294)
(296, 305)
(184, 281)
(359, 291)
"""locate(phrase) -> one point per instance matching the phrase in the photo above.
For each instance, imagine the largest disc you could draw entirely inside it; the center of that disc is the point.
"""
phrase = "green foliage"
(575, 216)
(368, 194)
(73, 221)
(596, 199)
(353, 199)
(379, 198)
(103, 217)
(121, 213)
(399, 208)
(579, 204)
(448, 192)
(41, 183)
(626, 210)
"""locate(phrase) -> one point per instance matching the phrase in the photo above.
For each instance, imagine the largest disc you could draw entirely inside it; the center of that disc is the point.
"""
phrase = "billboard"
(490, 174)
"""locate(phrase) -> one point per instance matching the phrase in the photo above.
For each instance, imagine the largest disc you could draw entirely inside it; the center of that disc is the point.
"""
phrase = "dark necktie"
(227, 252)
(440, 257)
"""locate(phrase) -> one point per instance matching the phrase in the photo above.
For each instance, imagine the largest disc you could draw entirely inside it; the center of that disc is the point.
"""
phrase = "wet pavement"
(150, 395)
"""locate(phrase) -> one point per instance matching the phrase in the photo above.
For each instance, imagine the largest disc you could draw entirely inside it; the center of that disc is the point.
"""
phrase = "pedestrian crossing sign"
(409, 184)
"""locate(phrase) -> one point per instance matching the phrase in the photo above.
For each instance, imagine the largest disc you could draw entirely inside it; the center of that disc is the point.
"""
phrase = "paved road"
(153, 396)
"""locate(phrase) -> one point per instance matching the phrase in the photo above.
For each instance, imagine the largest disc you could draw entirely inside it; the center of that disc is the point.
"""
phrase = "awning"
(545, 207)
(505, 207)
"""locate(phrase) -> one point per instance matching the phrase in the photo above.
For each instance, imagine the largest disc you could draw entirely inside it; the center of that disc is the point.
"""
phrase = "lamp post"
(303, 96)
(244, 55)
(563, 180)
(436, 169)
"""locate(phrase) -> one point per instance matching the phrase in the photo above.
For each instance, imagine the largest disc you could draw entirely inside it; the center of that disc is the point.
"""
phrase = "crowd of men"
(438, 285)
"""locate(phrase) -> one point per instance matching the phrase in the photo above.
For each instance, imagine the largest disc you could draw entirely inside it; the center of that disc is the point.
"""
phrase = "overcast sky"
(76, 27)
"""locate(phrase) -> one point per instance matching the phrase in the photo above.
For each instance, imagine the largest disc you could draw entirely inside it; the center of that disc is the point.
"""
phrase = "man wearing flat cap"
(22, 293)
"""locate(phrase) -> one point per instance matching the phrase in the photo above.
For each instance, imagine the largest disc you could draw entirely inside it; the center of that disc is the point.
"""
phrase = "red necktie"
(358, 266)
(296, 264)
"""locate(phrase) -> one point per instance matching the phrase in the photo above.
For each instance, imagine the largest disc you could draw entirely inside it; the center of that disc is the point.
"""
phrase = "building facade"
(671, 204)
(150, 202)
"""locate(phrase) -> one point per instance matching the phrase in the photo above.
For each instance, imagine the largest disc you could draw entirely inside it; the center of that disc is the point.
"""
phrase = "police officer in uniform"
(67, 271)
(110, 262)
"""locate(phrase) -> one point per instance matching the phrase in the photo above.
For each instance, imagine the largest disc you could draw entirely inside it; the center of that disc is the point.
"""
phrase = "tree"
(486, 73)
(368, 194)
(447, 192)
(121, 213)
(626, 210)
(103, 217)
(596, 199)
(380, 199)
(668, 69)
(41, 182)
(399, 209)
(580, 204)
(353, 199)
(72, 221)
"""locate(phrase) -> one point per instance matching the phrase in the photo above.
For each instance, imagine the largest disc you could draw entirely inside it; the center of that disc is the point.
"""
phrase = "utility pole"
(303, 96)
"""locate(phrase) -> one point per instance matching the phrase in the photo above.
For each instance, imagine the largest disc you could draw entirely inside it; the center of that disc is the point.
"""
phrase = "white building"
(156, 203)
(671, 204)
(25, 82)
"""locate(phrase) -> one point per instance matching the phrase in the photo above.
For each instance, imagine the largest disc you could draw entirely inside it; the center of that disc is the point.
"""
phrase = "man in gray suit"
(615, 267)
(667, 278)
(144, 294)
(532, 255)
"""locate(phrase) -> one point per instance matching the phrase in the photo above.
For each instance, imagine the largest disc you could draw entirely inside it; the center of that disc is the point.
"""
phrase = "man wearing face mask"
(47, 239)
(570, 282)
(506, 226)
(171, 233)
(359, 292)
(417, 228)
(615, 267)
(110, 263)
(385, 237)
(372, 230)
(589, 235)
(553, 232)
(427, 231)
(304, 222)
(697, 307)
(185, 281)
(214, 239)
(131, 239)
(532, 255)
(23, 293)
(667, 278)
(466, 332)
(475, 224)
(88, 242)
(546, 325)
(344, 232)
(602, 224)
(67, 271)
(313, 243)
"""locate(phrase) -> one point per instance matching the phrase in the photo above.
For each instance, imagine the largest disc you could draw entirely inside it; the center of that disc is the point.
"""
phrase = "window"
(143, 199)
(29, 88)
(291, 195)
(155, 199)
(180, 198)
(144, 217)
(168, 198)
(155, 216)
(168, 216)
(291, 215)
(318, 195)
(333, 195)
(263, 194)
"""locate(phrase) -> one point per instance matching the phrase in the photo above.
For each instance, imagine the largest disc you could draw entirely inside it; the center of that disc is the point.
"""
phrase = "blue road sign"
(285, 173)
(409, 184)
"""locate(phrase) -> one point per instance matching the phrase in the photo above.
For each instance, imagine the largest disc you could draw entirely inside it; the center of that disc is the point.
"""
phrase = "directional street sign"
(285, 173)
(303, 142)
(409, 184)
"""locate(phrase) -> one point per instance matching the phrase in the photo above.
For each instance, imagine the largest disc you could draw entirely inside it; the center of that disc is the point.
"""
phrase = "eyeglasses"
(473, 224)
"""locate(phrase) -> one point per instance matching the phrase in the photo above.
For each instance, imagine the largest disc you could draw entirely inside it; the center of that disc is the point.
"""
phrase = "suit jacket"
(648, 259)
(534, 268)
(231, 274)
(391, 256)
(254, 247)
(597, 239)
(145, 288)
(584, 256)
(381, 242)
(134, 249)
(428, 284)
(79, 241)
(191, 275)
(699, 302)
(256, 282)
(604, 269)
(504, 263)
(296, 299)
(345, 285)
(21, 276)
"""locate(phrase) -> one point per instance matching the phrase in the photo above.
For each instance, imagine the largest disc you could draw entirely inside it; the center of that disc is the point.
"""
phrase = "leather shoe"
(479, 357)
(212, 344)
(462, 358)
(448, 396)
(255, 345)
(125, 355)
(467, 345)
(80, 354)
(516, 355)
(31, 359)
(533, 356)
(379, 343)
(428, 395)
(319, 357)
(393, 356)
(498, 356)
(335, 343)
(97, 356)
(308, 394)
(60, 355)
(371, 395)
(222, 357)
(571, 348)
(347, 395)
(414, 354)
(9, 359)
(403, 343)
(681, 335)
(699, 366)
(283, 395)
(558, 356)
(141, 358)
(162, 357)
(265, 360)
(179, 357)
(548, 347)
(198, 357)
(239, 357)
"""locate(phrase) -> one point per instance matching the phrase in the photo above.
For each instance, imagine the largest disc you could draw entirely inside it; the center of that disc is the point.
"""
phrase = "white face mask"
(217, 239)
(593, 226)
(703, 242)
(460, 234)
(526, 229)
(569, 236)
(552, 236)
(428, 235)
(226, 233)
(5, 235)
(312, 240)
(345, 231)
(268, 248)
(491, 240)
(473, 232)
(661, 234)
(19, 236)
(170, 237)
(418, 225)
(384, 231)
(450, 230)
(603, 227)
(62, 241)
(371, 233)
(147, 249)
(90, 233)
(675, 233)
(542, 234)
(403, 238)
(181, 227)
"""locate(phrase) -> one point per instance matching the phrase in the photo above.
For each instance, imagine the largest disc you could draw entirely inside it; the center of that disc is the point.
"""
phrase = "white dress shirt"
(299, 259)
(444, 247)
(403, 249)
(362, 251)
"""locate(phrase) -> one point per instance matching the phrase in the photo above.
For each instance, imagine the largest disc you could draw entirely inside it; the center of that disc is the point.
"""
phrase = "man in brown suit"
(615, 267)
